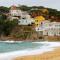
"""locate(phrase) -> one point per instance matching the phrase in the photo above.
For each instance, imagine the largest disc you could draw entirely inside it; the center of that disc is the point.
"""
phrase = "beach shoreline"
(49, 55)
(47, 47)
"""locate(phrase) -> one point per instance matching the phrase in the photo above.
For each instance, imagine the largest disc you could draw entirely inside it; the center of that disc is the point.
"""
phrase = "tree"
(8, 26)
(4, 9)
(24, 8)
(52, 12)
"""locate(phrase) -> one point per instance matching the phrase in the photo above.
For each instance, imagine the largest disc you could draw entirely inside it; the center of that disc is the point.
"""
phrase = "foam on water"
(48, 47)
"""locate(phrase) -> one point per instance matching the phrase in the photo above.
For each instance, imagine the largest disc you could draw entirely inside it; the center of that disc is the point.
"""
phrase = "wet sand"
(51, 55)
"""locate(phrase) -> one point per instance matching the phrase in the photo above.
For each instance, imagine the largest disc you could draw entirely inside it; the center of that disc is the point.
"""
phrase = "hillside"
(11, 29)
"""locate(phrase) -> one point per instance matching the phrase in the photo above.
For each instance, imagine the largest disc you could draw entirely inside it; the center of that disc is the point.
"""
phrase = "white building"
(22, 16)
(15, 13)
(50, 28)
(54, 30)
(43, 25)
(26, 20)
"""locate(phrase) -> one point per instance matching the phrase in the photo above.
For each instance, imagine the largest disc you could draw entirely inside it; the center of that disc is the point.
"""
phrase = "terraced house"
(49, 28)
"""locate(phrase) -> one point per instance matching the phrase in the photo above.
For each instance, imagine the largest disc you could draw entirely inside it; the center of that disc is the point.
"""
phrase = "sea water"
(15, 46)
(10, 50)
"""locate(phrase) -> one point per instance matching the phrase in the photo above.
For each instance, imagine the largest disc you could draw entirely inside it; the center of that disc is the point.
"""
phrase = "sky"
(55, 4)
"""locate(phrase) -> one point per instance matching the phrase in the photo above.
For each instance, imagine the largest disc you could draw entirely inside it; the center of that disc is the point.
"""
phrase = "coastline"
(48, 47)
(51, 55)
(45, 38)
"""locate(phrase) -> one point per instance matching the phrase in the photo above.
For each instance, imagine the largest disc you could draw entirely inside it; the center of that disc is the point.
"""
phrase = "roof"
(13, 7)
(40, 18)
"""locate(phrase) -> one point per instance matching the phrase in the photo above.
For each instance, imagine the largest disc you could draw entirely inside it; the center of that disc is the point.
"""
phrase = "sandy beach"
(44, 51)
(51, 55)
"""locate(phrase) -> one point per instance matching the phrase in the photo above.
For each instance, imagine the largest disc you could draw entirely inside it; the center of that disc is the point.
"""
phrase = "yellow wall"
(38, 20)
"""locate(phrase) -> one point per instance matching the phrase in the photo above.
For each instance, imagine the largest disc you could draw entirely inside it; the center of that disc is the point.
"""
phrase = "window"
(47, 33)
(23, 18)
(26, 21)
(37, 24)
(59, 33)
(36, 20)
(38, 28)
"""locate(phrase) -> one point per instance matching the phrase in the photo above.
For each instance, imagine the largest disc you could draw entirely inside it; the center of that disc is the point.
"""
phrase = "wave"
(11, 55)
(49, 47)
(7, 41)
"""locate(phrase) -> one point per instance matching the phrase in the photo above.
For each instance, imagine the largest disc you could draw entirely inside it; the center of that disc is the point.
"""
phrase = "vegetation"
(40, 10)
(7, 26)
(4, 9)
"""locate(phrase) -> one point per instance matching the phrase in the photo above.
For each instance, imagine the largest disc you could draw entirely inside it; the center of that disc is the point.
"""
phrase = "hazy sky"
(47, 3)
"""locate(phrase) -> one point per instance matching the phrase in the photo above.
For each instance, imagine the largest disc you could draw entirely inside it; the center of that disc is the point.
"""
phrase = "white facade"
(26, 20)
(23, 17)
(54, 30)
(15, 12)
(24, 14)
(43, 25)
(49, 28)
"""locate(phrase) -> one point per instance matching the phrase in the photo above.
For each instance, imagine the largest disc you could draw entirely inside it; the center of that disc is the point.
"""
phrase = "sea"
(8, 46)
(12, 49)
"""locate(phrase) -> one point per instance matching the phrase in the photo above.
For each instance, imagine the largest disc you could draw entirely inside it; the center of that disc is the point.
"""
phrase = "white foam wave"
(49, 47)
(11, 41)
